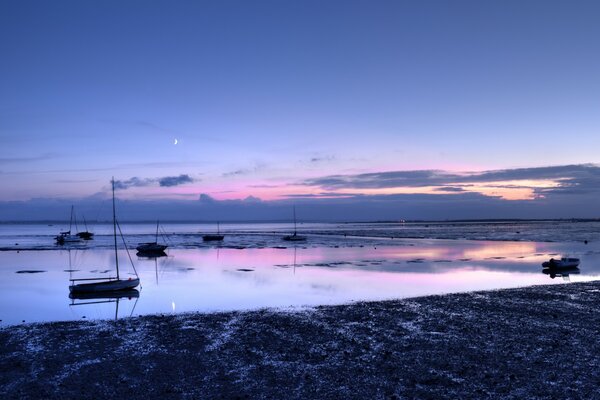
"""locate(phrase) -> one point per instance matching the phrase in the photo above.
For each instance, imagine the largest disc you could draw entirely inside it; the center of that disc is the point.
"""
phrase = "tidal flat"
(534, 342)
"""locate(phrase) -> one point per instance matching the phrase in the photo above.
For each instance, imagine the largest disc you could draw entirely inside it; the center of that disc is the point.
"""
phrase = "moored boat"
(564, 262)
(152, 247)
(294, 237)
(66, 236)
(110, 284)
(213, 237)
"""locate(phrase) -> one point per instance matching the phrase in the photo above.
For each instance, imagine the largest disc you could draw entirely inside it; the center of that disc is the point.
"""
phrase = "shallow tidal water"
(34, 283)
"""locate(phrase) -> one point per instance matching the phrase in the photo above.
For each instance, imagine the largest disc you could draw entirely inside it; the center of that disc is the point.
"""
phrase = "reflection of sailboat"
(66, 237)
(105, 297)
(295, 237)
(211, 237)
(152, 247)
(563, 272)
(111, 283)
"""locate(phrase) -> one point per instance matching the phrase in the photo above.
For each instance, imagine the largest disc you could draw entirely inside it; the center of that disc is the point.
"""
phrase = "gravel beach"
(534, 342)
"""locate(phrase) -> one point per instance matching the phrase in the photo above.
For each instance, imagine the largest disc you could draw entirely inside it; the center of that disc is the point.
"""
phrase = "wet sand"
(535, 342)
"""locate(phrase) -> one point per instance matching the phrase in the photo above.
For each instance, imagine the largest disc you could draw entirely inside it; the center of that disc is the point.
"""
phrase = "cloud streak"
(540, 181)
(167, 181)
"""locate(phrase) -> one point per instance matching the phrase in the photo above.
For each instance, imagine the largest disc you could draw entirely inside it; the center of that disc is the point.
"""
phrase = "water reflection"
(562, 272)
(220, 279)
(82, 299)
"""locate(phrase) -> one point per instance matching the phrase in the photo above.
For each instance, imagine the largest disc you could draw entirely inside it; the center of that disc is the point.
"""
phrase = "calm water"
(211, 279)
(187, 235)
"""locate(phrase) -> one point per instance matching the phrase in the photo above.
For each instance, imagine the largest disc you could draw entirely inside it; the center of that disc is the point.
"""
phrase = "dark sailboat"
(151, 248)
(212, 237)
(86, 235)
(294, 237)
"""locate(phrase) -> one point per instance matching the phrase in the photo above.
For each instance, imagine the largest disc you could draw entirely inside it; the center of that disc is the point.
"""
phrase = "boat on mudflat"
(152, 247)
(107, 284)
(66, 236)
(213, 237)
(563, 263)
(294, 237)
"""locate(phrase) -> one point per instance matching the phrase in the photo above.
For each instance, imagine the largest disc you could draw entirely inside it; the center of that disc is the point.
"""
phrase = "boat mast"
(294, 220)
(71, 220)
(115, 226)
(156, 239)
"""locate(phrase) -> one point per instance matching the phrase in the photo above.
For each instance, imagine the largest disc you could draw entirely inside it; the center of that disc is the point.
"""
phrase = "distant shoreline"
(538, 341)
(465, 221)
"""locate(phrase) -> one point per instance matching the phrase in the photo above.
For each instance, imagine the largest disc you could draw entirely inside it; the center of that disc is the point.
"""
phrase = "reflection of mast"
(106, 297)
(295, 249)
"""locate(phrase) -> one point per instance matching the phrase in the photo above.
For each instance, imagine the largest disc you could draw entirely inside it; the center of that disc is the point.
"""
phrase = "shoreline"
(537, 341)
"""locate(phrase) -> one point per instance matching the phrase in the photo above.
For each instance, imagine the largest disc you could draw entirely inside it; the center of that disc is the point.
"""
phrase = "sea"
(254, 268)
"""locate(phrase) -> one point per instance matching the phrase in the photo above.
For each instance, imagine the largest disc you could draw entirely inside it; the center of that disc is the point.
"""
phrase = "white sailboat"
(66, 236)
(295, 237)
(110, 284)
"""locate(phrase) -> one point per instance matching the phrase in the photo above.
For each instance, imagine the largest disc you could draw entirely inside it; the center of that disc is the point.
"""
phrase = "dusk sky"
(352, 110)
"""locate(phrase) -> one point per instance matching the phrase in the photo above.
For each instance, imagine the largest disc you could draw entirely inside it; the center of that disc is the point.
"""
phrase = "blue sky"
(269, 98)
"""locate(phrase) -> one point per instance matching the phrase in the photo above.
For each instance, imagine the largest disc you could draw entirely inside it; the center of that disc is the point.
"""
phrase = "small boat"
(66, 236)
(107, 285)
(87, 235)
(564, 262)
(294, 237)
(110, 284)
(212, 237)
(152, 247)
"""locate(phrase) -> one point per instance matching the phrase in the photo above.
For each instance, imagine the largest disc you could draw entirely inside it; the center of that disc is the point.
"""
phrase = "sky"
(351, 110)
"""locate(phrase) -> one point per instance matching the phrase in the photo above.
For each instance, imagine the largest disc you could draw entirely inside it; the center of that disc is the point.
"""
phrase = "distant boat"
(87, 235)
(294, 237)
(152, 247)
(110, 284)
(66, 237)
(212, 237)
(564, 262)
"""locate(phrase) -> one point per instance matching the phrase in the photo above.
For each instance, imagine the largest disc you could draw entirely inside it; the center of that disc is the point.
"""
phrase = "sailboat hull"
(212, 238)
(151, 247)
(294, 238)
(105, 286)
(113, 294)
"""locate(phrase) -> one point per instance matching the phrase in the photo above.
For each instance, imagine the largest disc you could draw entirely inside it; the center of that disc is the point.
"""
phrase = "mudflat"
(533, 342)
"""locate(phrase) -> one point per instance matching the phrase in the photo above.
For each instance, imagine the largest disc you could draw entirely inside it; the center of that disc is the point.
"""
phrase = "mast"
(156, 239)
(218, 229)
(74, 216)
(294, 220)
(115, 226)
(71, 220)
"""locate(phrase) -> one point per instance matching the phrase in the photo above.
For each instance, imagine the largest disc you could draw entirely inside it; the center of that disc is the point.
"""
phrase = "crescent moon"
(175, 142)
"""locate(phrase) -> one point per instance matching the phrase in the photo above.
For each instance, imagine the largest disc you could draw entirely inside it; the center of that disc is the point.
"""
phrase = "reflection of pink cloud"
(501, 249)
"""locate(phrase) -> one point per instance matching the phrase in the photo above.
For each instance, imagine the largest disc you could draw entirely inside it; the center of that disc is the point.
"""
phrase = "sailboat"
(104, 284)
(66, 237)
(295, 237)
(87, 235)
(152, 247)
(211, 237)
